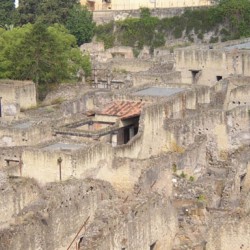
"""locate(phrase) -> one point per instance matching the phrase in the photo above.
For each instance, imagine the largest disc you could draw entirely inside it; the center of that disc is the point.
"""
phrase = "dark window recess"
(218, 78)
(152, 247)
(194, 75)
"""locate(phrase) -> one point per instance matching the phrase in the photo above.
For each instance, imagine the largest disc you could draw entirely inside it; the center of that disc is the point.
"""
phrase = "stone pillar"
(131, 132)
(114, 139)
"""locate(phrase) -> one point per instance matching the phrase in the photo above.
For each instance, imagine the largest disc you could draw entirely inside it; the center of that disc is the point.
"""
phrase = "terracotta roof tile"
(123, 109)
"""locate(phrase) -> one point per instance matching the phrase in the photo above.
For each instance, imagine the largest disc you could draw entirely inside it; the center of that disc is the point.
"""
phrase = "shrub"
(201, 198)
(174, 167)
(183, 175)
(191, 178)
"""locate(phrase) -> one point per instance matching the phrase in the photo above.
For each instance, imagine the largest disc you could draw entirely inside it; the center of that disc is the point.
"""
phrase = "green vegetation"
(183, 175)
(49, 12)
(230, 19)
(35, 45)
(7, 11)
(174, 167)
(43, 54)
(191, 178)
(201, 198)
(80, 24)
(105, 33)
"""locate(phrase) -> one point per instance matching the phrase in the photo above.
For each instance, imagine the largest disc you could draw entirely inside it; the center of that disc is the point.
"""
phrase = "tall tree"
(7, 9)
(28, 11)
(80, 24)
(46, 11)
(40, 53)
(56, 11)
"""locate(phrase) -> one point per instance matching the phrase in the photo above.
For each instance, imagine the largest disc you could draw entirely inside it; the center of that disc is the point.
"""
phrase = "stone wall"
(105, 16)
(151, 140)
(16, 95)
(239, 97)
(130, 65)
(208, 64)
(230, 235)
(13, 136)
(147, 223)
(80, 163)
(156, 79)
(52, 221)
(14, 197)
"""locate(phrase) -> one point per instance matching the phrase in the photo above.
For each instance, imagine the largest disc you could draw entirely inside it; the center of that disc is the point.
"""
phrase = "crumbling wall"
(12, 136)
(15, 196)
(54, 219)
(229, 234)
(26, 95)
(129, 65)
(152, 221)
(16, 95)
(156, 79)
(80, 163)
(239, 97)
(209, 63)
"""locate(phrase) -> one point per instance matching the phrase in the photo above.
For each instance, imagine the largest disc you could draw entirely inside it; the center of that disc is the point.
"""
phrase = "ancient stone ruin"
(152, 154)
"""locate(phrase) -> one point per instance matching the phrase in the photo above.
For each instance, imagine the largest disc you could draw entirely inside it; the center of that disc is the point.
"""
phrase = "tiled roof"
(123, 109)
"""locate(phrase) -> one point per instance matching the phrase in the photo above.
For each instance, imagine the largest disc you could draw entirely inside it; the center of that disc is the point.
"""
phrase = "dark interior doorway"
(218, 78)
(194, 75)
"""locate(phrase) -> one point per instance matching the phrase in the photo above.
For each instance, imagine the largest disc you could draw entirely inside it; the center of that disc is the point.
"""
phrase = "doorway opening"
(195, 76)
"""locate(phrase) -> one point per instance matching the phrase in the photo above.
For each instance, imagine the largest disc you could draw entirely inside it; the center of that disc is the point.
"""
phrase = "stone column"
(114, 139)
(131, 132)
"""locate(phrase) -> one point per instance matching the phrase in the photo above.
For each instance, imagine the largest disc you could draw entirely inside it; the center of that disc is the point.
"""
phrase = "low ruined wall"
(17, 93)
(43, 165)
(156, 79)
(11, 136)
(129, 65)
(27, 95)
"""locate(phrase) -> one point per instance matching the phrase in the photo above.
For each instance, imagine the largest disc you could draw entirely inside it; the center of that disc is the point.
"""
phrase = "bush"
(147, 30)
(191, 178)
(174, 167)
(214, 39)
(104, 33)
(183, 175)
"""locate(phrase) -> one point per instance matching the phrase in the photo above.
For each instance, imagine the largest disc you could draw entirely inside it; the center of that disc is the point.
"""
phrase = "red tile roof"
(123, 109)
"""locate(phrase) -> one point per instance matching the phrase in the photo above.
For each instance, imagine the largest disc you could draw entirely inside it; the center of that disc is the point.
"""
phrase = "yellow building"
(96, 5)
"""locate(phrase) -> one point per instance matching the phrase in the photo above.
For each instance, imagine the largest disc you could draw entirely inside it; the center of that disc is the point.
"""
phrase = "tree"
(28, 11)
(46, 11)
(55, 11)
(7, 9)
(80, 24)
(40, 53)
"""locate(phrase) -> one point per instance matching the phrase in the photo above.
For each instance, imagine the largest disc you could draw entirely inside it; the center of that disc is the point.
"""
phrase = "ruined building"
(153, 155)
